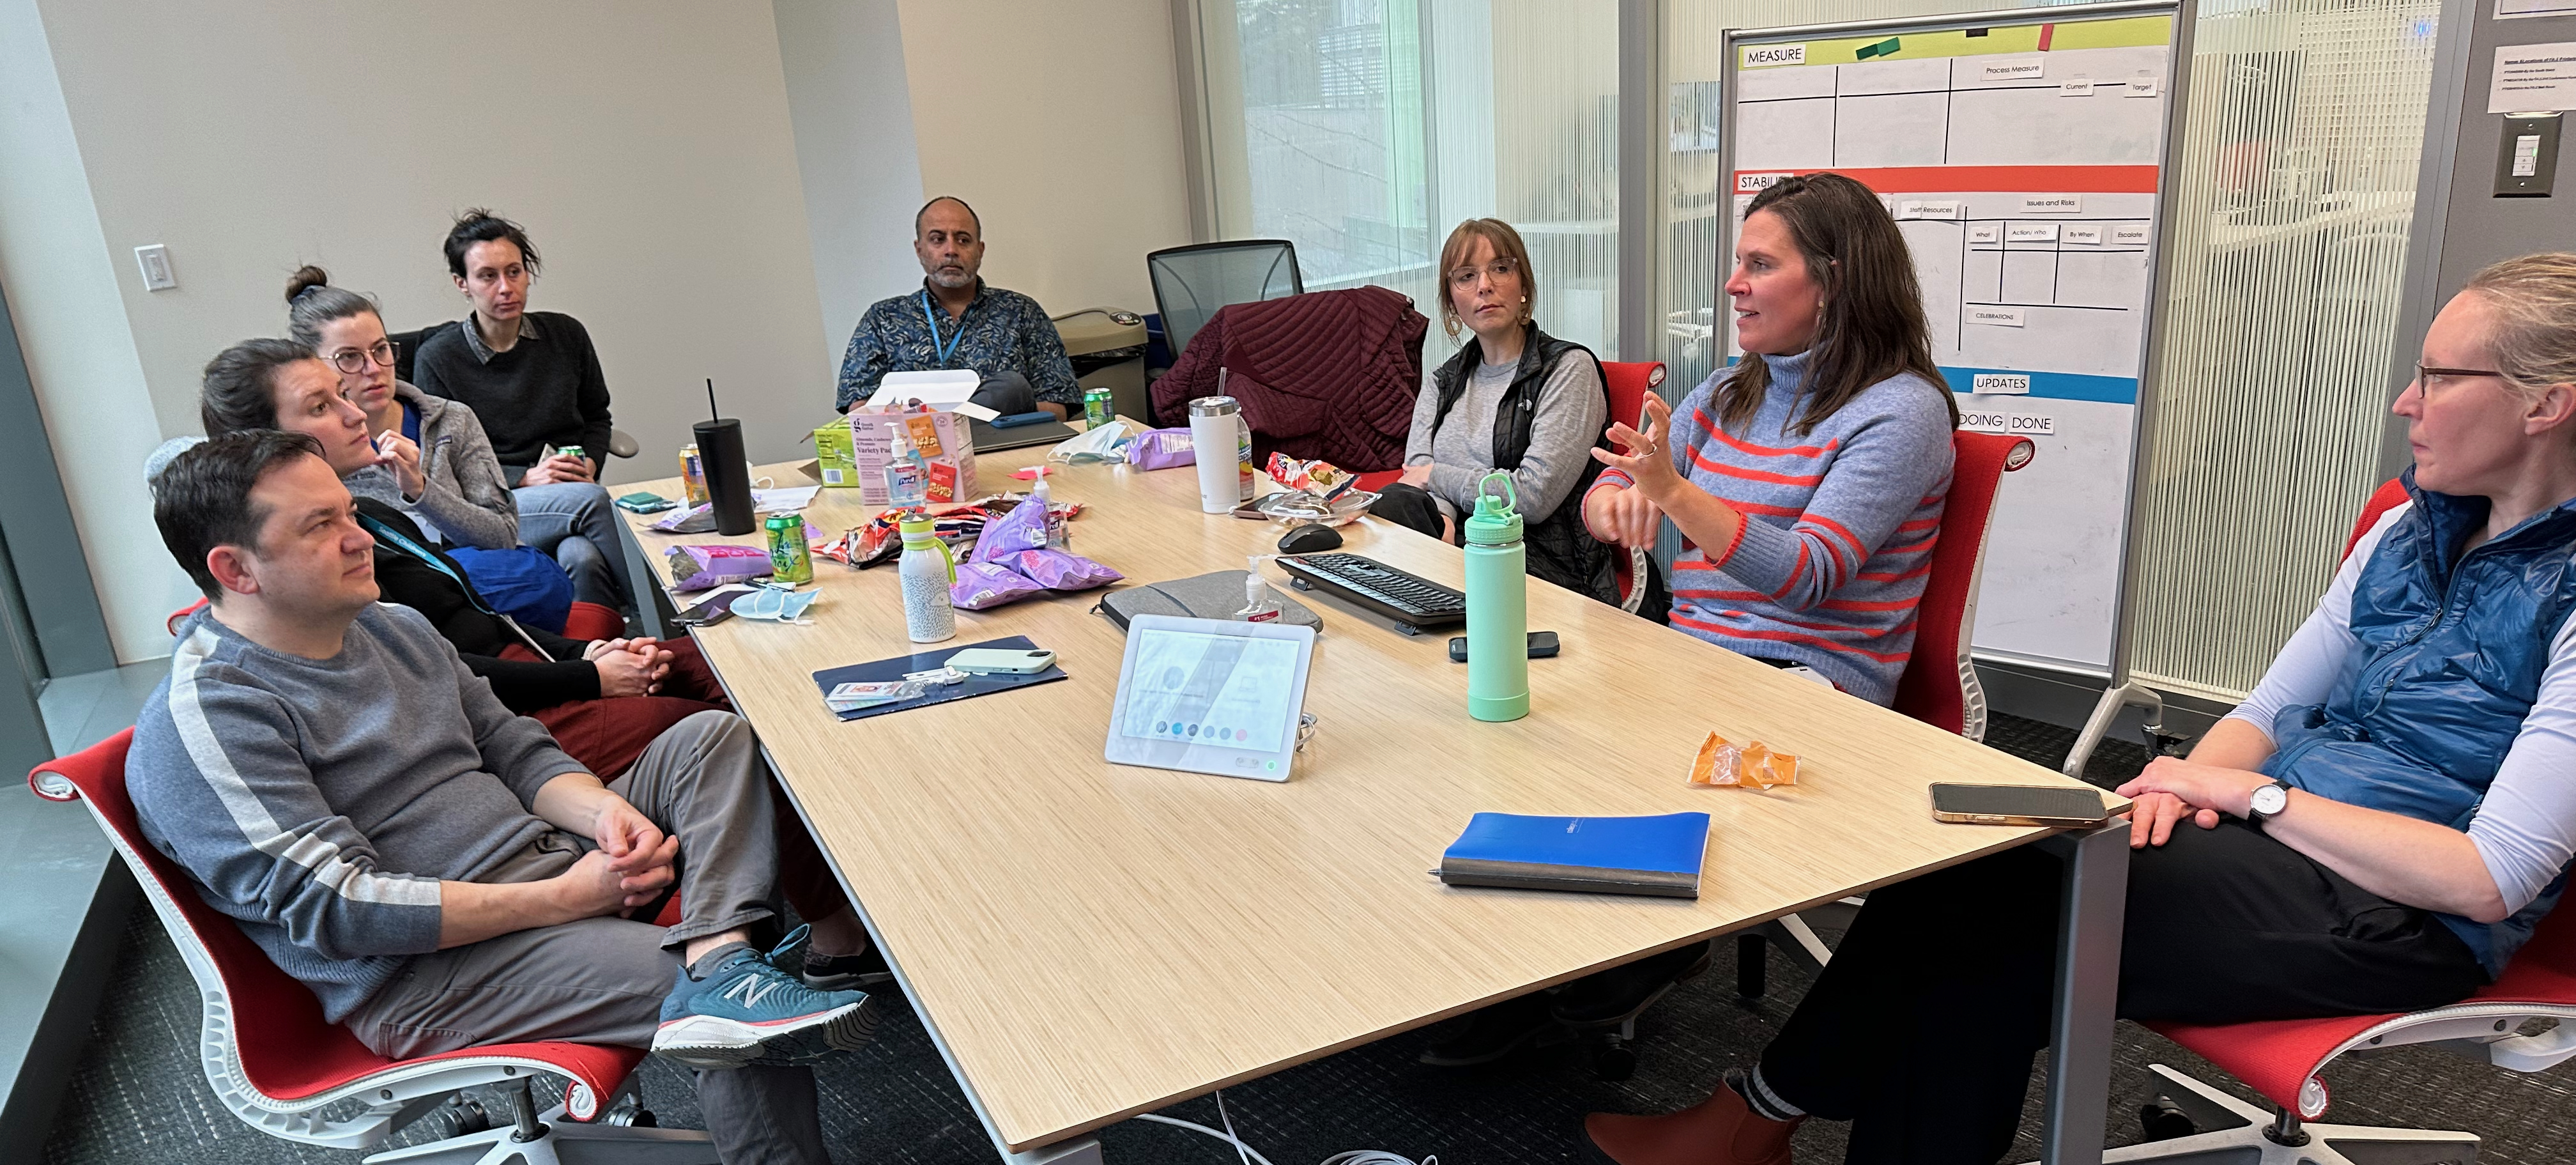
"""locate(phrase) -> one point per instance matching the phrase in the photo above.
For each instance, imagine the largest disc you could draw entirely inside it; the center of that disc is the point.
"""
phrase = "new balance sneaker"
(747, 1011)
(866, 970)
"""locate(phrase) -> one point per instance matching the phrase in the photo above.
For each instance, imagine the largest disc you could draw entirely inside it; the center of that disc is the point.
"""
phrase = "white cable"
(1248, 1154)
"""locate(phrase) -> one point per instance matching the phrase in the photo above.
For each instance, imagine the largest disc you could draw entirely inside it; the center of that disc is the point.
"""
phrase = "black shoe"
(1612, 996)
(1487, 1035)
(865, 971)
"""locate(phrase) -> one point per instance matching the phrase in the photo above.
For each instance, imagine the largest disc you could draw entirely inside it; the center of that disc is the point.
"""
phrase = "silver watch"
(2268, 802)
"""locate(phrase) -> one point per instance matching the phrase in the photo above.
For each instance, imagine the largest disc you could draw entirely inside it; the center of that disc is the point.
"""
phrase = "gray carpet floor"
(139, 1095)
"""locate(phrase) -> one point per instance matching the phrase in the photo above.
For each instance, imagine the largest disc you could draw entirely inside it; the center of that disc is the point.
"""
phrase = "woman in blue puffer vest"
(2376, 829)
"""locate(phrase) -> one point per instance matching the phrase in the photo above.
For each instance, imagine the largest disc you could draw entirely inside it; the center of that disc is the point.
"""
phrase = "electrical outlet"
(155, 261)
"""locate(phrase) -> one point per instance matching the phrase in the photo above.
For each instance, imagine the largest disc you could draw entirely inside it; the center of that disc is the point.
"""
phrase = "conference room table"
(1087, 941)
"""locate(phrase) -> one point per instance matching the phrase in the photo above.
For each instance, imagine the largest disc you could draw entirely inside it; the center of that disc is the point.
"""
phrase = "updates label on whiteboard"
(1996, 317)
(2016, 69)
(2000, 384)
(2014, 424)
(1761, 56)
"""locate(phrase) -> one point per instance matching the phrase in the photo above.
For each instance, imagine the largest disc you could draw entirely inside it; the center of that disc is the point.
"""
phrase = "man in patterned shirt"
(954, 321)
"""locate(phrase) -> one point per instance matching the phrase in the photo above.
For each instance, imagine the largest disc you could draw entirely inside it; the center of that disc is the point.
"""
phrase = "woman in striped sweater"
(1807, 480)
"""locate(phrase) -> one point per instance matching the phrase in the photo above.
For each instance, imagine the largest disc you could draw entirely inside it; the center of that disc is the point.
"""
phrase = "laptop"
(989, 439)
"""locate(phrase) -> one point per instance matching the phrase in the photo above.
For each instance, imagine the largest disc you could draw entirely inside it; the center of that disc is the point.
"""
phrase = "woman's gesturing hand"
(1646, 461)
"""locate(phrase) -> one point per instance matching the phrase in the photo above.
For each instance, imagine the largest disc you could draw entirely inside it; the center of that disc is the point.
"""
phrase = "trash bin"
(1107, 347)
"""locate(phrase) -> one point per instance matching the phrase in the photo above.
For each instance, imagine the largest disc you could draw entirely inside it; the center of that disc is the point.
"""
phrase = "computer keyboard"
(1415, 603)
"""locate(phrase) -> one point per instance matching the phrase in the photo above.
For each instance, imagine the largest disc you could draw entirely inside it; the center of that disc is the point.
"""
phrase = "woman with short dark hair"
(534, 381)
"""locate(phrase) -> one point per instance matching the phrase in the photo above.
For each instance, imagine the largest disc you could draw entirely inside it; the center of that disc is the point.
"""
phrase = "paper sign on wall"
(2009, 424)
(1999, 317)
(2533, 78)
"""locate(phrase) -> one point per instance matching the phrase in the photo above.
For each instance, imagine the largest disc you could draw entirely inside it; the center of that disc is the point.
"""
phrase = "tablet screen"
(1223, 690)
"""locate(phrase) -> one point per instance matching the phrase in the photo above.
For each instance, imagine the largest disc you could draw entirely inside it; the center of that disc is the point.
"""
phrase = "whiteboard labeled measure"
(2025, 159)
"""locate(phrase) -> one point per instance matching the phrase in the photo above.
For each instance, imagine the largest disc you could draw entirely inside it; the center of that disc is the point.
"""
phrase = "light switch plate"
(2527, 155)
(155, 261)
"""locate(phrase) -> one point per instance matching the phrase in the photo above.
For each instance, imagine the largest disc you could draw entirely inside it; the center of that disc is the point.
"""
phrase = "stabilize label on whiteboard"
(1757, 183)
(2030, 232)
(1762, 56)
(1996, 317)
(2052, 204)
(2000, 384)
(2016, 69)
(2012, 424)
(2130, 235)
(1946, 210)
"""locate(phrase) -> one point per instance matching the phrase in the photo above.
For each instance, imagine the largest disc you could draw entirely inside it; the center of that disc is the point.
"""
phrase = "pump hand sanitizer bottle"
(1259, 605)
(1497, 605)
(907, 477)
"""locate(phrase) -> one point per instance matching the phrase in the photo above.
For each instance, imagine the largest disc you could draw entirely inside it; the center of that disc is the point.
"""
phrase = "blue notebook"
(1659, 856)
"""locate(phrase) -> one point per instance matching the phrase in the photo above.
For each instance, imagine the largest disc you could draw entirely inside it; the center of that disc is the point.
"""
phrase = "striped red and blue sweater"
(1839, 528)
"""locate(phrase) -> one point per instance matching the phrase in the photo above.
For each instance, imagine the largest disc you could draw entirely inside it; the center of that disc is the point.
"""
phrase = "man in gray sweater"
(433, 867)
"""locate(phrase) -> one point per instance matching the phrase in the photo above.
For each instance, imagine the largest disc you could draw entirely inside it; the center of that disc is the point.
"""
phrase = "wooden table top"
(1093, 941)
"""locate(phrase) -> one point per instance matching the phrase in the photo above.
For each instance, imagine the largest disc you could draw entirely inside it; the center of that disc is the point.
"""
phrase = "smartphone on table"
(1001, 661)
(2061, 806)
(1542, 645)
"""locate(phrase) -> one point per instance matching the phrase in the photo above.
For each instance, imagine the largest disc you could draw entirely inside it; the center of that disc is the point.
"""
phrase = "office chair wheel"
(2163, 1120)
(1614, 1060)
(465, 1116)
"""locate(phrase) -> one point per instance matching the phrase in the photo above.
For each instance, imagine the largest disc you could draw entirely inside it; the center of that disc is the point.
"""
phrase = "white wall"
(1061, 123)
(646, 145)
(854, 145)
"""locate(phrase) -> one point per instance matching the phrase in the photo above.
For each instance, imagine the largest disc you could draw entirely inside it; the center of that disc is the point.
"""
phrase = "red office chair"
(1626, 384)
(281, 1068)
(1939, 685)
(2284, 1059)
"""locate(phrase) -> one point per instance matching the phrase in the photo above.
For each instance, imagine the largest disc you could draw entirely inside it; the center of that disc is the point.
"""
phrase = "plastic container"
(907, 476)
(927, 567)
(1041, 494)
(1497, 605)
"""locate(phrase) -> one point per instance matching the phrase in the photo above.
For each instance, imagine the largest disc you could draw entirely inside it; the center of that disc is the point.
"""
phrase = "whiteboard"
(2023, 155)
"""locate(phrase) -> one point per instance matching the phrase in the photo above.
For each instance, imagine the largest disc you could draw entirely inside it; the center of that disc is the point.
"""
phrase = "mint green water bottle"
(1497, 605)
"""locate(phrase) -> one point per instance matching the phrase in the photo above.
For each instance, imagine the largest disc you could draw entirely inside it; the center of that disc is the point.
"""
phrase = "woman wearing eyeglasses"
(439, 466)
(2377, 828)
(1516, 399)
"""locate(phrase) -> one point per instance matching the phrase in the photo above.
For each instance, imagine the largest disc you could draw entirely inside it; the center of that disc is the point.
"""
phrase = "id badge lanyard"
(949, 348)
(434, 562)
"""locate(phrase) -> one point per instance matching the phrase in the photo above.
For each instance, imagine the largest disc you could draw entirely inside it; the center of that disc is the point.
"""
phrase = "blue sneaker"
(747, 1011)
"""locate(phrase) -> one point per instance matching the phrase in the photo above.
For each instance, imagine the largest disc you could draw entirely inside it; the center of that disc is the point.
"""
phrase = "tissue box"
(952, 467)
(836, 458)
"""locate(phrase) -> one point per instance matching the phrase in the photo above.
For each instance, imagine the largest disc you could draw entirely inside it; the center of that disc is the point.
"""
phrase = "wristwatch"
(2268, 802)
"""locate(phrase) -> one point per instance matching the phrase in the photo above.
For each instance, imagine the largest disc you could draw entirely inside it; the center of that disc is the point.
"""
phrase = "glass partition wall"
(1364, 129)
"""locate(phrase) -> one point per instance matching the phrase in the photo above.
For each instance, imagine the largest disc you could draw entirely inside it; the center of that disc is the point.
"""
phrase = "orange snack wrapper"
(1721, 764)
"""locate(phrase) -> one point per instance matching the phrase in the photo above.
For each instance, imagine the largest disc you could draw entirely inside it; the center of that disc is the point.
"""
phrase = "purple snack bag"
(1161, 449)
(1024, 528)
(695, 568)
(1062, 571)
(983, 585)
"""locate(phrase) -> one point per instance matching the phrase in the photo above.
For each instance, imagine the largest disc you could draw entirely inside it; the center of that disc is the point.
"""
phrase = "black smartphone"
(710, 611)
(1542, 645)
(2058, 805)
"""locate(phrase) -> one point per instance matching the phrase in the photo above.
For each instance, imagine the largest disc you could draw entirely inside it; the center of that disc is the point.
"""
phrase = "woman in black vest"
(1517, 399)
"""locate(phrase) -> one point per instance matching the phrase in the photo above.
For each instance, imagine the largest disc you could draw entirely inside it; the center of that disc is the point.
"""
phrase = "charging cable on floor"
(1251, 1156)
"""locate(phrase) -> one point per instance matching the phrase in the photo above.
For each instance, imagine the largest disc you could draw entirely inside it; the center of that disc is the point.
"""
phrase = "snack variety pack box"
(944, 439)
(837, 456)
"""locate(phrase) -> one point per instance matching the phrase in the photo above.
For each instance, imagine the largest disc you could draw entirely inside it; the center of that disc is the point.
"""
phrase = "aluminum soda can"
(693, 476)
(1096, 407)
(790, 560)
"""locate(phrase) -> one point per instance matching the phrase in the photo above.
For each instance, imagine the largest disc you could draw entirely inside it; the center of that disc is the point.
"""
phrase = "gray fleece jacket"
(468, 502)
(320, 802)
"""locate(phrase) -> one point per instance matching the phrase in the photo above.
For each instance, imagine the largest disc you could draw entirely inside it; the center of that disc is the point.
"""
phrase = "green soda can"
(790, 560)
(1096, 409)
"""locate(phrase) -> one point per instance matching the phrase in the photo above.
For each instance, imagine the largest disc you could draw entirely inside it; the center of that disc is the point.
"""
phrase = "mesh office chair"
(1191, 282)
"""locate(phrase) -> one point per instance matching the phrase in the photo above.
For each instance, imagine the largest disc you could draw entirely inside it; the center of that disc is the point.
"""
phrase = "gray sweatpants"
(601, 980)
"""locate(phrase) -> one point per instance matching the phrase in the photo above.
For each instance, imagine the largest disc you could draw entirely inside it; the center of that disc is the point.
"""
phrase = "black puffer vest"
(1561, 551)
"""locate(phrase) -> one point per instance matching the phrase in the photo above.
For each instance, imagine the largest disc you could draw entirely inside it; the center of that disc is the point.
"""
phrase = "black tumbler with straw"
(728, 477)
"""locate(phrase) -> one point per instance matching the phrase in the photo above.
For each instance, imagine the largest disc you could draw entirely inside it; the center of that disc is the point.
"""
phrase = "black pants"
(1921, 1029)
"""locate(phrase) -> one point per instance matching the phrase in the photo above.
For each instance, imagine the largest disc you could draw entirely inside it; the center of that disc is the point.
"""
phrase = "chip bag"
(1059, 570)
(982, 586)
(1721, 764)
(695, 568)
(1320, 478)
(1024, 528)
(1162, 449)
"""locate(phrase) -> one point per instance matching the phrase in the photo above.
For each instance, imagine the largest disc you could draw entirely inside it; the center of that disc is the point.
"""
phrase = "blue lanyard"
(953, 341)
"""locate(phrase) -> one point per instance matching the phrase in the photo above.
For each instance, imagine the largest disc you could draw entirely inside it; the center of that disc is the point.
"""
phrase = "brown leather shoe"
(1718, 1131)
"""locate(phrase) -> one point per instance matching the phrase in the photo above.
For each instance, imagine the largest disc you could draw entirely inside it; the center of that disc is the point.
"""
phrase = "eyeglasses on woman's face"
(353, 361)
(1499, 270)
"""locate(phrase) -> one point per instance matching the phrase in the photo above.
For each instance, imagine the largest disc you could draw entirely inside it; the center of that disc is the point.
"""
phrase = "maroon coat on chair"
(1328, 374)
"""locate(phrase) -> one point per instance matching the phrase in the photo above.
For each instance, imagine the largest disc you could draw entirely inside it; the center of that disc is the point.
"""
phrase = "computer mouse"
(1310, 539)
